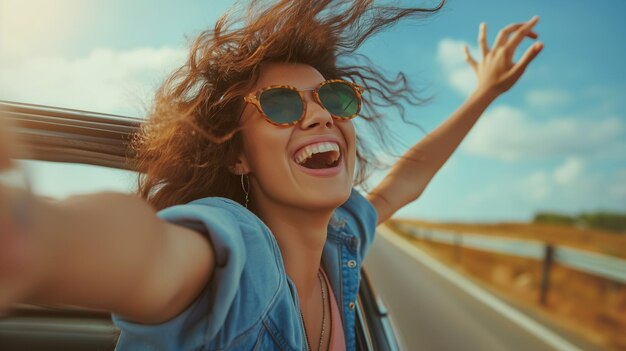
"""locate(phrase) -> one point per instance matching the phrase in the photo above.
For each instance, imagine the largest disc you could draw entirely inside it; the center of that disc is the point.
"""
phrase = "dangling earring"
(244, 188)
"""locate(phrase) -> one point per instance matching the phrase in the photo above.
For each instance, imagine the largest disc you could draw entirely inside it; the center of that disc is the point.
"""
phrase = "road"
(432, 313)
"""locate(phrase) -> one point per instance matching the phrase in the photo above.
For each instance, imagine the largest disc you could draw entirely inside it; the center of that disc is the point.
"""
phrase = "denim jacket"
(250, 302)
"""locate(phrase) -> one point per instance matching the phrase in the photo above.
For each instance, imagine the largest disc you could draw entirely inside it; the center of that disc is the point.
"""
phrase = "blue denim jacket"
(250, 303)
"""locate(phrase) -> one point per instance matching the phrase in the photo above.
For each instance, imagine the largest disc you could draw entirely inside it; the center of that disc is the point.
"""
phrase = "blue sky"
(556, 141)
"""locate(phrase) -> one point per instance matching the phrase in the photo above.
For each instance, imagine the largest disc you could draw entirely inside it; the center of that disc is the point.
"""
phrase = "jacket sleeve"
(245, 253)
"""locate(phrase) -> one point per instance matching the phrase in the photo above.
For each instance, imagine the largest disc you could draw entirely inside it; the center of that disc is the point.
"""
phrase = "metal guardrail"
(600, 265)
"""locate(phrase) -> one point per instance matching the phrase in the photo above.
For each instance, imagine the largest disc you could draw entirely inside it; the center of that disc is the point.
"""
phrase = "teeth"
(308, 151)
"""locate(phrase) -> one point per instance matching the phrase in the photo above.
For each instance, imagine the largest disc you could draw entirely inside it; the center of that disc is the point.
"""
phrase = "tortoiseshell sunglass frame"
(253, 98)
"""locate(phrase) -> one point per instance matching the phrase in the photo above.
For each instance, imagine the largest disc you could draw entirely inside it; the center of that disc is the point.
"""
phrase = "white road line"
(517, 317)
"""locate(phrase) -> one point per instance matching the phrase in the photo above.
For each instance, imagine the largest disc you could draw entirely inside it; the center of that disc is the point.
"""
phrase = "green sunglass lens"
(281, 105)
(339, 99)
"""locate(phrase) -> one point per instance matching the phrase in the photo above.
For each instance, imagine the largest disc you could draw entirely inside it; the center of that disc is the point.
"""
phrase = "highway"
(432, 313)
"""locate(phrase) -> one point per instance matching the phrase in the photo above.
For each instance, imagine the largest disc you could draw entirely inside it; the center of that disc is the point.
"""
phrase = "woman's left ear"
(239, 167)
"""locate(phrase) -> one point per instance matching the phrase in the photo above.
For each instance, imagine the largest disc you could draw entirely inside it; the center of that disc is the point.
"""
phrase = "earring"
(244, 188)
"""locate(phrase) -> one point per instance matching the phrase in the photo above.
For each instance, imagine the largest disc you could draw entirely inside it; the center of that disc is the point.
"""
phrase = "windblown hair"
(191, 137)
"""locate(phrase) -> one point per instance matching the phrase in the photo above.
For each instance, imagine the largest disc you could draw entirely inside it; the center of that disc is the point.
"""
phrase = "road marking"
(514, 315)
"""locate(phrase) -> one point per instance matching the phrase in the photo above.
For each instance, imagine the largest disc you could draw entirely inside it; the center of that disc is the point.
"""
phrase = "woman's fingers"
(482, 39)
(469, 58)
(503, 35)
(496, 71)
(521, 65)
(523, 29)
(522, 32)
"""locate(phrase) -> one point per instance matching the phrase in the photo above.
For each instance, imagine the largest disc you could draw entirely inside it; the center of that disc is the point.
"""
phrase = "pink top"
(337, 339)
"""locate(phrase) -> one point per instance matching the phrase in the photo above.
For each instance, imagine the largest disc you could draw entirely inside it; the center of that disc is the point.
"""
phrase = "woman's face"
(273, 156)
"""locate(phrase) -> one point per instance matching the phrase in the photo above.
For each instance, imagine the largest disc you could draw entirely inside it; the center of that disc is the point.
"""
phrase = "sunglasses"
(283, 105)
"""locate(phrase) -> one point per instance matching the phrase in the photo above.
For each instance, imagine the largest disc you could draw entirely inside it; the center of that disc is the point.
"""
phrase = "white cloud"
(451, 58)
(571, 187)
(507, 133)
(547, 98)
(569, 171)
(104, 81)
(542, 184)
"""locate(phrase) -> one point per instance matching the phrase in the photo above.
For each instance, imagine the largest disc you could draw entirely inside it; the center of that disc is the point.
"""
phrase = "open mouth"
(328, 159)
(319, 156)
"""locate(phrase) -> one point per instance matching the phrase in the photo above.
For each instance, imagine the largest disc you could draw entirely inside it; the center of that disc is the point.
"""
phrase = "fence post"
(545, 279)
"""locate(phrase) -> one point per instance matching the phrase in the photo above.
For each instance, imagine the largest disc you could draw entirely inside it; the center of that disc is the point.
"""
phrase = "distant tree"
(553, 217)
(611, 221)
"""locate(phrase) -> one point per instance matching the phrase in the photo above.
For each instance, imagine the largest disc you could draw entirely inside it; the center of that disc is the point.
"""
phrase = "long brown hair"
(190, 139)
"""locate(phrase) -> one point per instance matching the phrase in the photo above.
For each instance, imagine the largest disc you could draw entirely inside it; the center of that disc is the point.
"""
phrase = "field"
(590, 306)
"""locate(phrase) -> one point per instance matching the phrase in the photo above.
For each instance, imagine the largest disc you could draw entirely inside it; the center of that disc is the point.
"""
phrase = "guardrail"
(600, 265)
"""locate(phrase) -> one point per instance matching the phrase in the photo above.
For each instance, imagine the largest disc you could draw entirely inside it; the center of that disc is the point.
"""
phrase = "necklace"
(308, 344)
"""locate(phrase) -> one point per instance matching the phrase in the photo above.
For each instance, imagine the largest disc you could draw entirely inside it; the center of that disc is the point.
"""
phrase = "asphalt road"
(431, 313)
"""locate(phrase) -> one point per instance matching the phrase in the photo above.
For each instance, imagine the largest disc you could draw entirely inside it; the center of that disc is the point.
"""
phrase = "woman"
(249, 155)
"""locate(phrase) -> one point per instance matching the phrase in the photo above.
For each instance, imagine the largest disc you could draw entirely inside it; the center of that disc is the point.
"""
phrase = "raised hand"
(497, 72)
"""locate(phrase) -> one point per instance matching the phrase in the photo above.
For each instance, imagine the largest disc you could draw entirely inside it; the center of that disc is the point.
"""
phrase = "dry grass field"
(590, 306)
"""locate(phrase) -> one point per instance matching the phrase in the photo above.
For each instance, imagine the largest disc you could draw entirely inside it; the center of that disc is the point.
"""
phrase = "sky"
(555, 142)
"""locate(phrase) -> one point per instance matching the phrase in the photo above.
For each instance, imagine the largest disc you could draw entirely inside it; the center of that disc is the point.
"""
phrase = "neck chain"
(308, 344)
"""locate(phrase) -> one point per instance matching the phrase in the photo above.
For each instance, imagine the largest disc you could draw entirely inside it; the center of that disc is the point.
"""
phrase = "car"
(78, 137)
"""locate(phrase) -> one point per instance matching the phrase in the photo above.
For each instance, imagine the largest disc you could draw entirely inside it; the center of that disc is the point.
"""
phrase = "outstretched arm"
(105, 251)
(496, 74)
